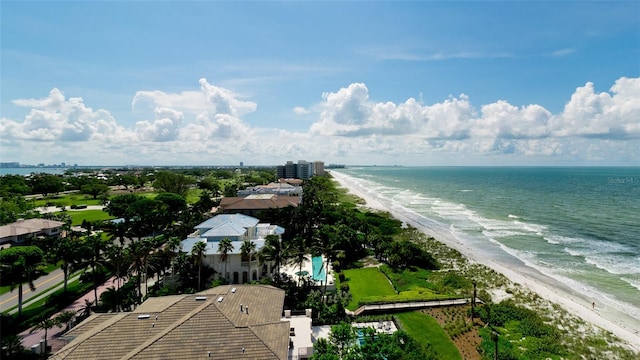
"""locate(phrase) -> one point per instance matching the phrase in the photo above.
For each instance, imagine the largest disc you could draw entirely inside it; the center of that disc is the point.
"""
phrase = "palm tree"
(298, 253)
(18, 265)
(12, 346)
(171, 249)
(224, 248)
(118, 261)
(85, 310)
(45, 324)
(139, 252)
(94, 258)
(65, 250)
(198, 252)
(110, 299)
(65, 318)
(272, 251)
(247, 249)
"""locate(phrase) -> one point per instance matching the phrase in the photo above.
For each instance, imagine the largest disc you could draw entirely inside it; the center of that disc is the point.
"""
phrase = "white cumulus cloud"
(207, 125)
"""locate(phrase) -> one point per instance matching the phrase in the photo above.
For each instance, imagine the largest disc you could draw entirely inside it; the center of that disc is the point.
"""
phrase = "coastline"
(609, 319)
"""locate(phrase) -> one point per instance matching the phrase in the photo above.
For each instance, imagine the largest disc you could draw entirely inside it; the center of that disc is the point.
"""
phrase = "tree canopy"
(172, 182)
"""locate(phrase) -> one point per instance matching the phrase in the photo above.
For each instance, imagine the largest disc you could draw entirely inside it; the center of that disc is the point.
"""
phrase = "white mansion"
(237, 228)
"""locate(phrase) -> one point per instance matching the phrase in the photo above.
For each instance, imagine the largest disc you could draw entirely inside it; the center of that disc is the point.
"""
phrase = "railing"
(410, 305)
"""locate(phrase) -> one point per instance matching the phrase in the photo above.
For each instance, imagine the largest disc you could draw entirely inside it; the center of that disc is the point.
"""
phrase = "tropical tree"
(139, 252)
(198, 251)
(110, 299)
(94, 258)
(45, 324)
(298, 254)
(342, 337)
(118, 261)
(175, 203)
(172, 182)
(171, 249)
(95, 189)
(46, 184)
(118, 206)
(12, 346)
(117, 230)
(19, 265)
(66, 251)
(273, 251)
(85, 310)
(247, 250)
(225, 246)
(65, 318)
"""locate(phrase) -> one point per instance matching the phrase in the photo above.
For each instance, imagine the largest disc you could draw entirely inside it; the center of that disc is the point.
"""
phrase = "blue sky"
(411, 83)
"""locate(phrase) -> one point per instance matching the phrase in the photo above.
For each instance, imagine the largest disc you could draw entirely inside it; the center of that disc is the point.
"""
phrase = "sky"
(428, 83)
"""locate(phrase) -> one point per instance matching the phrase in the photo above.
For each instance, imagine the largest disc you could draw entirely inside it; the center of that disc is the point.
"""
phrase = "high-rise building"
(290, 170)
(300, 170)
(304, 169)
(318, 168)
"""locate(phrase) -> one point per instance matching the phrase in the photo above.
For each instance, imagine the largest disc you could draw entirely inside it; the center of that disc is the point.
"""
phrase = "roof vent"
(220, 299)
(201, 298)
(233, 290)
(145, 316)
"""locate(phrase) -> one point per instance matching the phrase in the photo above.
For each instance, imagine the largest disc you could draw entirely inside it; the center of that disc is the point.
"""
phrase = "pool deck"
(293, 270)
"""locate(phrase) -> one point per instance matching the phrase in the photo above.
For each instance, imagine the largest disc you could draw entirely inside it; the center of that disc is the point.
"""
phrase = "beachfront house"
(237, 228)
(253, 204)
(226, 322)
(25, 230)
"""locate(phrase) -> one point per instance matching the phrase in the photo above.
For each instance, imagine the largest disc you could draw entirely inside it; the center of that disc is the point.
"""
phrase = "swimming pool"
(319, 273)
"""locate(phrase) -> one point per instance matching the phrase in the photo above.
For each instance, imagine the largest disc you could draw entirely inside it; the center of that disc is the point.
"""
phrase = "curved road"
(43, 283)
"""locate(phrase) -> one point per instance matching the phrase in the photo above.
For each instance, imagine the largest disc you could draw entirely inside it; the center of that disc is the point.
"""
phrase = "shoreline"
(610, 319)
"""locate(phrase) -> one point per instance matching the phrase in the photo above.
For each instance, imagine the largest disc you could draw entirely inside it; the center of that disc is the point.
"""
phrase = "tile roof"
(209, 323)
(272, 202)
(28, 226)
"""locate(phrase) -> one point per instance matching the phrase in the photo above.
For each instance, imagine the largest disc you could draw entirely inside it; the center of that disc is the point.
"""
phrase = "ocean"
(578, 225)
(29, 170)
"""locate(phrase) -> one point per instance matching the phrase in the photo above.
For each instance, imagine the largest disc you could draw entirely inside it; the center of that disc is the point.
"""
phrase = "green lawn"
(371, 286)
(408, 279)
(366, 282)
(89, 215)
(67, 200)
(426, 330)
(193, 195)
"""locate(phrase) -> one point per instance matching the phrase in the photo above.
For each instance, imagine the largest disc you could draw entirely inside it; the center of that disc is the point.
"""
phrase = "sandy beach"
(606, 317)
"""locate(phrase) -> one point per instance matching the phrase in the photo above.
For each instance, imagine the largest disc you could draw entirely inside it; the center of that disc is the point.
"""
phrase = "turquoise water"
(360, 337)
(318, 269)
(579, 225)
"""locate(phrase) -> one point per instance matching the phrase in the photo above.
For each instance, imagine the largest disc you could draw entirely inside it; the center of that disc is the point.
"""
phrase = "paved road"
(10, 299)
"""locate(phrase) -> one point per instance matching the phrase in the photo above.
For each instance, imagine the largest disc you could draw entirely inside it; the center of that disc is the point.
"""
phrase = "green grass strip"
(40, 309)
(366, 282)
(90, 215)
(426, 330)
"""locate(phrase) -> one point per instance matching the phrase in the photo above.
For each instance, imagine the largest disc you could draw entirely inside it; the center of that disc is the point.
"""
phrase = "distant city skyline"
(367, 83)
